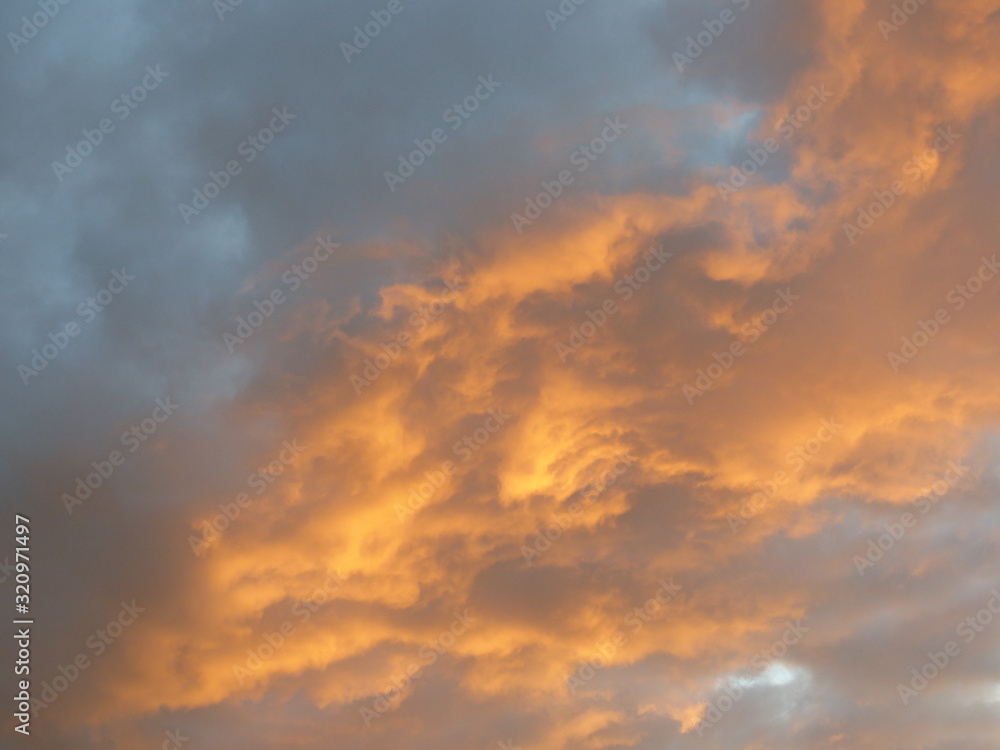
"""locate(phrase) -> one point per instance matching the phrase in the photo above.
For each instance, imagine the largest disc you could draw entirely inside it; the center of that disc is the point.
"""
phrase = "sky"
(535, 375)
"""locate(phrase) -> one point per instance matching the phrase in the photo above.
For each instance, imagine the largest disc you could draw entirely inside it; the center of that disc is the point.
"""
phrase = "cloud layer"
(654, 406)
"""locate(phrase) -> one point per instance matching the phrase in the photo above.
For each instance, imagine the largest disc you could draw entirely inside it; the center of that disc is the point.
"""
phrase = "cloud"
(311, 597)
